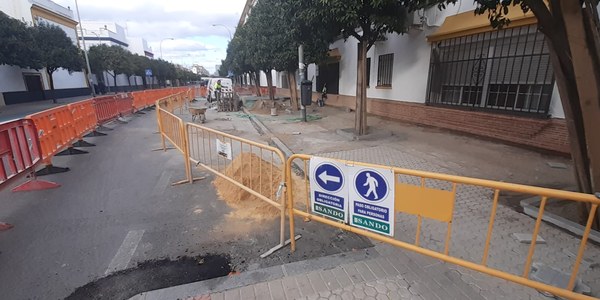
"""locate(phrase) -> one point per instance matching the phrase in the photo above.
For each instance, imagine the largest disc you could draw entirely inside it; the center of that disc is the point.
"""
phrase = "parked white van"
(226, 86)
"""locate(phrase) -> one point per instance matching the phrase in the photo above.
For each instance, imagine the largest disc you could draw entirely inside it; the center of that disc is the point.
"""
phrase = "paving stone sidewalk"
(400, 274)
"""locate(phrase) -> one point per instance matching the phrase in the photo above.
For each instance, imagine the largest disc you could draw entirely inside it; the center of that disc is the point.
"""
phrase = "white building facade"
(26, 85)
(113, 34)
(453, 70)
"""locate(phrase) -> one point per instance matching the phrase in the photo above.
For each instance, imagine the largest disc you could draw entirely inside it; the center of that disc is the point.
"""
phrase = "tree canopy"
(57, 49)
(17, 44)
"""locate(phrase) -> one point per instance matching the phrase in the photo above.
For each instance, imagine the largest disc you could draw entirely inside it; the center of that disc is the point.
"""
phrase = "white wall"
(12, 79)
(18, 9)
(556, 108)
(64, 80)
(410, 70)
(411, 62)
(276, 79)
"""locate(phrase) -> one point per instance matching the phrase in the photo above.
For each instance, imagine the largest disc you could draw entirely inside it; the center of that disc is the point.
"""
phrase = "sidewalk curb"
(275, 141)
(221, 284)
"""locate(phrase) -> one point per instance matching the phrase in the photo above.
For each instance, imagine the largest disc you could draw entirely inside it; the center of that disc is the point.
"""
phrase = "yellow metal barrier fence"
(427, 195)
(172, 128)
(253, 167)
(256, 168)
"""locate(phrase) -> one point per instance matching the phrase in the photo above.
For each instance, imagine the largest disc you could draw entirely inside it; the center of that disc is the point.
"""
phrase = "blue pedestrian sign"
(148, 72)
(328, 188)
(371, 186)
(372, 199)
(329, 177)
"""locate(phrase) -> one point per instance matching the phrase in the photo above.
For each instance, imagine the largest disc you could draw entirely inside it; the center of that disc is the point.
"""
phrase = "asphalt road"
(116, 209)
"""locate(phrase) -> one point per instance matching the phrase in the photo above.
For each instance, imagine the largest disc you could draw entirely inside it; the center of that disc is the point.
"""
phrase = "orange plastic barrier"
(124, 104)
(84, 116)
(106, 109)
(16, 155)
(56, 130)
(139, 101)
(19, 154)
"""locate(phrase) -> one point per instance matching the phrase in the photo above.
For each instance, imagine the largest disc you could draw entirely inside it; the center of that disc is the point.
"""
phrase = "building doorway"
(33, 83)
(329, 74)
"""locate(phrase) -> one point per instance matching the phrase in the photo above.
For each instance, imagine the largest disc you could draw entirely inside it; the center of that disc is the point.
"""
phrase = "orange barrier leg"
(50, 169)
(35, 185)
(82, 143)
(71, 151)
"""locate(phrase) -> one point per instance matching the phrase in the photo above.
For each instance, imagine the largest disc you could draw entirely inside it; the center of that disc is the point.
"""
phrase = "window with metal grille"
(385, 68)
(507, 70)
(368, 71)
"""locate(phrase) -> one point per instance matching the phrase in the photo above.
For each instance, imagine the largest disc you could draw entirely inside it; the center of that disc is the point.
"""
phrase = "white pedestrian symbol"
(373, 184)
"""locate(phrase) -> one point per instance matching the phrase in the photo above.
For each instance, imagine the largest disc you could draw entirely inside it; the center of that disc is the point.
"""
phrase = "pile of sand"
(246, 205)
(263, 106)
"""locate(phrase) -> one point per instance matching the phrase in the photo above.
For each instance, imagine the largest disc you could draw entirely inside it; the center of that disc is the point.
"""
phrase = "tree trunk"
(115, 80)
(587, 78)
(269, 74)
(560, 55)
(291, 75)
(51, 82)
(257, 84)
(360, 117)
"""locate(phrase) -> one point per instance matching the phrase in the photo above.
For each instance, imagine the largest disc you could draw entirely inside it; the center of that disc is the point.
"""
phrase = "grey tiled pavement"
(470, 222)
(401, 274)
(396, 273)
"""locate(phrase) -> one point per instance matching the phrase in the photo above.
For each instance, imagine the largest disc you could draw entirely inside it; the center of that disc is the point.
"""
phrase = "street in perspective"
(287, 149)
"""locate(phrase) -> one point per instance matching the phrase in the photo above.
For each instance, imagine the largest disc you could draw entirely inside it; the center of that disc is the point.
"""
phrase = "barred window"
(385, 69)
(506, 70)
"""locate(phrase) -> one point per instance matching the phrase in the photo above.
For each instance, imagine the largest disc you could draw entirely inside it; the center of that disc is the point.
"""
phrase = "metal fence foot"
(272, 250)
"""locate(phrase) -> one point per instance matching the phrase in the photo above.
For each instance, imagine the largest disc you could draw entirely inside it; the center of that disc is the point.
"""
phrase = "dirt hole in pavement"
(261, 176)
(152, 275)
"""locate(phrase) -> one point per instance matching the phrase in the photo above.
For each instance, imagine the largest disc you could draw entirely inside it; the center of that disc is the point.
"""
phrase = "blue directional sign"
(371, 185)
(329, 177)
(328, 188)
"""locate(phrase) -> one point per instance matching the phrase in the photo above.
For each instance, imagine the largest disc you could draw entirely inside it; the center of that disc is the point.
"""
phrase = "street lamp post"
(85, 54)
(229, 31)
(160, 46)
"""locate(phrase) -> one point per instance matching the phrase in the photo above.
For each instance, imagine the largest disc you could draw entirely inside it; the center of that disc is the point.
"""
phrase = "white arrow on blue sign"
(328, 188)
(329, 177)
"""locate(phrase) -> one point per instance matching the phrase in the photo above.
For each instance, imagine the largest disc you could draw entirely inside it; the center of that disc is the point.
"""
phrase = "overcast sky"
(189, 22)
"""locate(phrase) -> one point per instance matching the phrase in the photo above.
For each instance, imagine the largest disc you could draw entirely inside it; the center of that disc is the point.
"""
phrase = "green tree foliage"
(368, 22)
(17, 44)
(56, 51)
(163, 70)
(140, 64)
(270, 39)
(126, 66)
